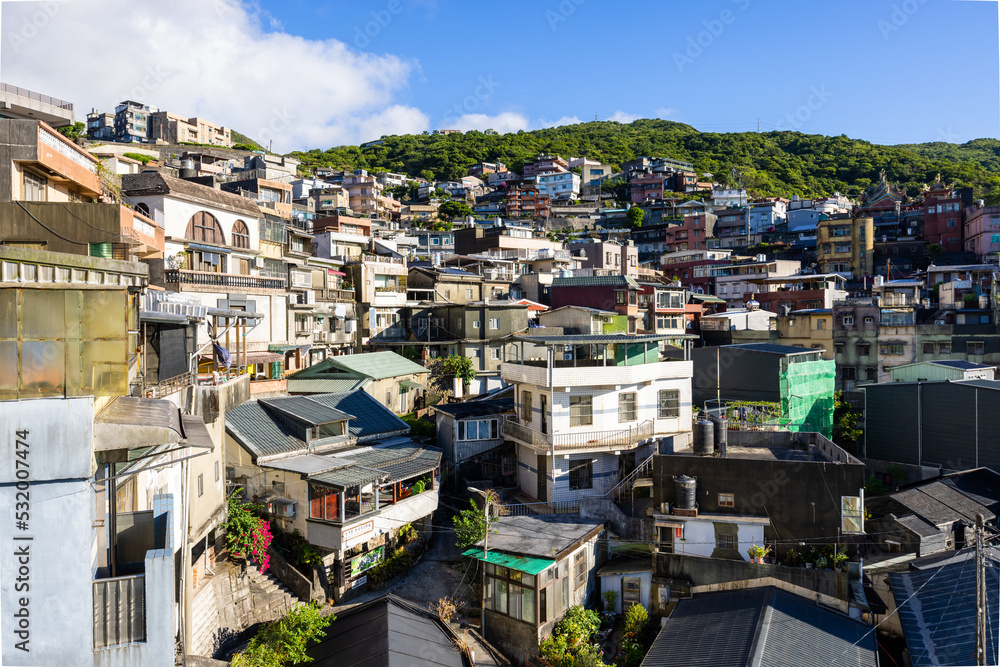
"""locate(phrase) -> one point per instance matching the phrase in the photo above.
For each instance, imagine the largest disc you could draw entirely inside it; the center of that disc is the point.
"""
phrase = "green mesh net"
(807, 390)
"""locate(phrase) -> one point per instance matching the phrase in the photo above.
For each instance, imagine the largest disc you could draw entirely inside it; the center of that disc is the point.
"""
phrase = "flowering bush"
(247, 535)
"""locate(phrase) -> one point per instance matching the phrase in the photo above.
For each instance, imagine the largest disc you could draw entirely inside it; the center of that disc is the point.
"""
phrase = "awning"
(287, 348)
(263, 357)
(209, 248)
(195, 433)
(527, 564)
(335, 273)
(410, 384)
(155, 317)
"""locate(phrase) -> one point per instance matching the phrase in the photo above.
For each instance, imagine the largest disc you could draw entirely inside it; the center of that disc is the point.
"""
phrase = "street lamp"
(486, 537)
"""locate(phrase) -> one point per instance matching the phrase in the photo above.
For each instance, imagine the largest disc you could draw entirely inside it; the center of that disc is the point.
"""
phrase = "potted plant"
(840, 559)
(821, 563)
(610, 600)
(757, 553)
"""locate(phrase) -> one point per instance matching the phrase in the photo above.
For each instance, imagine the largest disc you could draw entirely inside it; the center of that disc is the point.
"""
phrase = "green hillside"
(772, 163)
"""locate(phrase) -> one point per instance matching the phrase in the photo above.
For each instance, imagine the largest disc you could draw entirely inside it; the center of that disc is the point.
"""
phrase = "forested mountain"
(771, 163)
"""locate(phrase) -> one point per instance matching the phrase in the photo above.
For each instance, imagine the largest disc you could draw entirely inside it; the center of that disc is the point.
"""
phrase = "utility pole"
(486, 542)
(980, 594)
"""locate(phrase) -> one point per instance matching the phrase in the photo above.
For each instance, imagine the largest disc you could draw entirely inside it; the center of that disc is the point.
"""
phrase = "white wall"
(613, 582)
(699, 538)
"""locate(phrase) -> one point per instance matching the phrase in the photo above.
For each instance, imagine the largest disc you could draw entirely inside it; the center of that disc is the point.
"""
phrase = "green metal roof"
(526, 564)
(335, 385)
(373, 365)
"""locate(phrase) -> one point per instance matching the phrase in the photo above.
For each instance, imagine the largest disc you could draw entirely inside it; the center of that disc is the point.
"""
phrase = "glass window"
(241, 235)
(581, 475)
(669, 404)
(626, 407)
(580, 564)
(526, 407)
(35, 187)
(514, 601)
(726, 500)
(850, 512)
(726, 541)
(528, 605)
(324, 503)
(501, 596)
(581, 410)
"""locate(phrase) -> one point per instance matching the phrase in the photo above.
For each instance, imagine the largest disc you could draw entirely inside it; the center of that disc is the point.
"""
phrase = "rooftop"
(596, 281)
(371, 365)
(763, 627)
(596, 339)
(541, 536)
(771, 348)
(155, 183)
(476, 408)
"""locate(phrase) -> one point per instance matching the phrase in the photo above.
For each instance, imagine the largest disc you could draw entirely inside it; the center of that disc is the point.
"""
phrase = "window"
(944, 348)
(726, 541)
(975, 347)
(727, 500)
(869, 320)
(468, 294)
(205, 228)
(580, 565)
(475, 324)
(34, 188)
(848, 320)
(871, 375)
(201, 485)
(668, 404)
(928, 348)
(620, 298)
(526, 407)
(324, 503)
(478, 429)
(892, 349)
(626, 407)
(581, 410)
(851, 520)
(495, 353)
(216, 471)
(581, 475)
(447, 294)
(838, 348)
(494, 323)
(820, 325)
(849, 374)
(241, 235)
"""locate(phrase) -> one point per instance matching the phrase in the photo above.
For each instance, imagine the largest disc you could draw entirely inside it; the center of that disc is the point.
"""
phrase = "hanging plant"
(247, 535)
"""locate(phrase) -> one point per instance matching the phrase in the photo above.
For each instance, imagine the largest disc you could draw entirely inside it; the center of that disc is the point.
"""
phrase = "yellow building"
(846, 245)
(811, 328)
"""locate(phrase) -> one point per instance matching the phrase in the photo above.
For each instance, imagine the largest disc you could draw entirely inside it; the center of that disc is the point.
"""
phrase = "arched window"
(205, 228)
(142, 208)
(241, 235)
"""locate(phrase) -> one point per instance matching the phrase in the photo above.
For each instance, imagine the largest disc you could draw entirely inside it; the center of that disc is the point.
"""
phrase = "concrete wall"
(613, 582)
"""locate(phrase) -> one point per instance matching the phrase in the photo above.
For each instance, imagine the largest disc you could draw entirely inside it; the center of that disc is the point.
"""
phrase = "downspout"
(185, 602)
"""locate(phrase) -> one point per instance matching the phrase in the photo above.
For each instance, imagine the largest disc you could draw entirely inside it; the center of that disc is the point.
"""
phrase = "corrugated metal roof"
(260, 433)
(372, 420)
(375, 365)
(305, 410)
(329, 386)
(349, 476)
(476, 408)
(939, 620)
(763, 627)
(586, 339)
(963, 365)
(596, 281)
(526, 564)
(771, 348)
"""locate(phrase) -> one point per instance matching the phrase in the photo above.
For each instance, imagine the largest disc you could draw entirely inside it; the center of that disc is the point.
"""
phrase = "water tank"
(684, 492)
(187, 169)
(704, 437)
(721, 434)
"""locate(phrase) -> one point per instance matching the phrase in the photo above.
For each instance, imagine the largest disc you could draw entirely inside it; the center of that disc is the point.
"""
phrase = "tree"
(460, 367)
(74, 131)
(285, 640)
(846, 432)
(635, 216)
(470, 524)
(454, 209)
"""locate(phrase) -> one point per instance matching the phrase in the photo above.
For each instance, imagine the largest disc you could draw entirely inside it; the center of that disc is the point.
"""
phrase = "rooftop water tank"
(684, 488)
(704, 437)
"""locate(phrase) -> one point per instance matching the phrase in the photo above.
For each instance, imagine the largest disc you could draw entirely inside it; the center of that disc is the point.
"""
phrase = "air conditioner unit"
(293, 299)
(282, 507)
(258, 262)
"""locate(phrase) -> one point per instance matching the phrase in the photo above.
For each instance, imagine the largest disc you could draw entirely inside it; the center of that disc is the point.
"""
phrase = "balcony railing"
(576, 440)
(119, 611)
(208, 279)
(38, 97)
(384, 259)
(335, 295)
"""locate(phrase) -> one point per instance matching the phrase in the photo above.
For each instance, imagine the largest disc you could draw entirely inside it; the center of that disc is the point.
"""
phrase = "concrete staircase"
(269, 595)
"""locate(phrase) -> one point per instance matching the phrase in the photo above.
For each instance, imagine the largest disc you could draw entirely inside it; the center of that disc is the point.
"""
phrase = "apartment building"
(559, 186)
(812, 328)
(132, 122)
(691, 234)
(545, 164)
(23, 104)
(606, 257)
(589, 409)
(846, 246)
(100, 126)
(171, 128)
(646, 187)
(615, 292)
(855, 341)
(943, 208)
(981, 231)
(364, 192)
(380, 285)
(527, 201)
(732, 282)
(733, 230)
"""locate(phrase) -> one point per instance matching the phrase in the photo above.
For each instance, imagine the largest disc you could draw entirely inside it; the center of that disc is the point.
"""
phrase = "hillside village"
(236, 384)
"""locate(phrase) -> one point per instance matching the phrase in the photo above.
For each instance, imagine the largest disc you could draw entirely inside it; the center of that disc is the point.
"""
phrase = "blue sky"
(308, 73)
(892, 71)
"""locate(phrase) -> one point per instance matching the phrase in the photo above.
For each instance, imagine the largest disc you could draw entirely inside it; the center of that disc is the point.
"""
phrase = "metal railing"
(624, 486)
(119, 611)
(529, 509)
(206, 278)
(170, 385)
(38, 97)
(626, 437)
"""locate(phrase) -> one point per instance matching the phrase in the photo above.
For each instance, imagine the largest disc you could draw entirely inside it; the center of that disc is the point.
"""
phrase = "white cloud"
(622, 117)
(565, 120)
(665, 112)
(214, 59)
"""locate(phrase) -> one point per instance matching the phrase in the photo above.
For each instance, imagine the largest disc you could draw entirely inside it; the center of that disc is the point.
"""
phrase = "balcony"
(576, 441)
(205, 281)
(337, 295)
(380, 259)
(119, 611)
(587, 372)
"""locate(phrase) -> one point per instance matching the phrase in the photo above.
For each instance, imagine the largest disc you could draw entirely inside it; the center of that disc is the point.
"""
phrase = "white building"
(804, 214)
(723, 198)
(762, 216)
(559, 185)
(590, 408)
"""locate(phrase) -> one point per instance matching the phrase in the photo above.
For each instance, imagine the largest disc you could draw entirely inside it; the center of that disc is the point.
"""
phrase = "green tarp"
(526, 564)
(807, 390)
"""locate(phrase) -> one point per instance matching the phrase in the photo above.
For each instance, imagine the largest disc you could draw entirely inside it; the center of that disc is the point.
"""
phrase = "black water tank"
(704, 438)
(721, 433)
(684, 492)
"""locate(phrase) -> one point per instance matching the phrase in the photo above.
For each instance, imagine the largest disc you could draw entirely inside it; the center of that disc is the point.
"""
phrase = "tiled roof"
(918, 525)
(596, 281)
(763, 627)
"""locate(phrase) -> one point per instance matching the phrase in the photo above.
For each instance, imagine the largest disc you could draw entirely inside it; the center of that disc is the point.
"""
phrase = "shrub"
(285, 641)
(407, 533)
(396, 564)
(610, 600)
(636, 618)
(570, 637)
(247, 535)
(144, 159)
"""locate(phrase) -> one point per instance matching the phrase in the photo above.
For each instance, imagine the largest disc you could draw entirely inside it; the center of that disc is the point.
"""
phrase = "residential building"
(344, 480)
(419, 213)
(582, 320)
(545, 164)
(899, 302)
(395, 382)
(933, 516)
(733, 230)
(943, 216)
(102, 539)
(733, 282)
(665, 309)
(392, 180)
(798, 292)
(430, 242)
(590, 408)
(855, 341)
(735, 327)
(559, 186)
(272, 167)
(340, 223)
(692, 234)
(607, 257)
(445, 285)
(327, 199)
(467, 431)
(846, 246)
(132, 122)
(644, 187)
(693, 267)
(794, 384)
(617, 293)
(811, 329)
(924, 371)
(481, 169)
(940, 424)
(41, 165)
(24, 104)
(692, 632)
(725, 198)
(803, 215)
(981, 231)
(591, 177)
(767, 215)
(100, 126)
(365, 192)
(536, 567)
(273, 196)
(527, 201)
(380, 290)
(171, 128)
